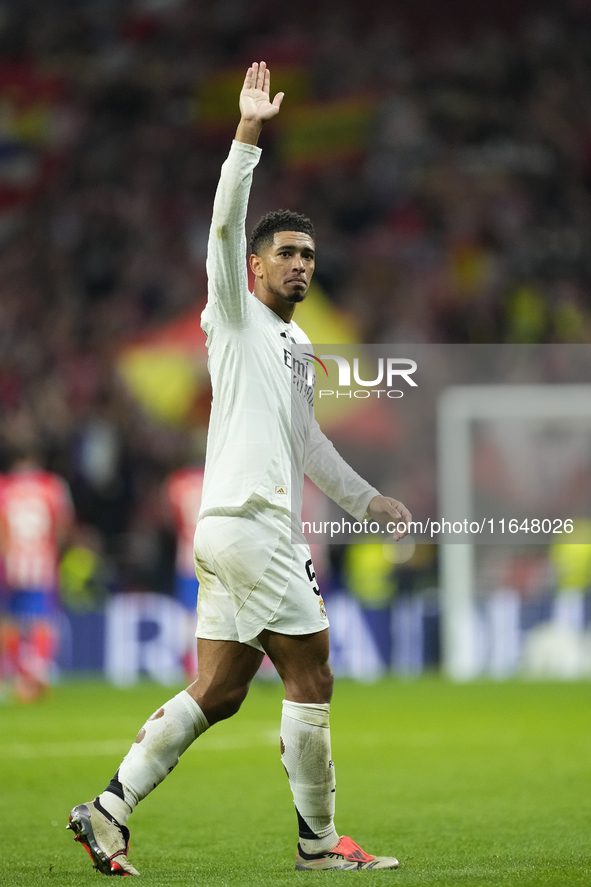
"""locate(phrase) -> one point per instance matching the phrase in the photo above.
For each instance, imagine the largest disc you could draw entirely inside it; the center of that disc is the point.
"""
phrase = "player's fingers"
(261, 75)
(278, 99)
(248, 78)
(393, 510)
(399, 510)
(400, 530)
(400, 516)
(404, 512)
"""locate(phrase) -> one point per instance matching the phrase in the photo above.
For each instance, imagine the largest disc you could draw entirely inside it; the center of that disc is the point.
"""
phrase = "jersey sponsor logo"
(282, 490)
(303, 377)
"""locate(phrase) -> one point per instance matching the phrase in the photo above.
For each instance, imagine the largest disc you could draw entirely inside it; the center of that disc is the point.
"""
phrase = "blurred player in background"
(258, 591)
(36, 515)
(183, 490)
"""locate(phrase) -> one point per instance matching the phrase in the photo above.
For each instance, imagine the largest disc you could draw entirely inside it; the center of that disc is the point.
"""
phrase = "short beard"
(294, 299)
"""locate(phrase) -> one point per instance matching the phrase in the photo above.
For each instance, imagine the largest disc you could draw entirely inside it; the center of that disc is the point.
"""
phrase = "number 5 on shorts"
(312, 576)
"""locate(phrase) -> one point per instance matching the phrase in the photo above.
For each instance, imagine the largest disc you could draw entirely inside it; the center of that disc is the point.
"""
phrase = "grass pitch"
(477, 784)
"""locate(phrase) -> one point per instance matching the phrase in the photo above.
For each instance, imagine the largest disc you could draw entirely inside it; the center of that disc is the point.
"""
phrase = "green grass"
(477, 784)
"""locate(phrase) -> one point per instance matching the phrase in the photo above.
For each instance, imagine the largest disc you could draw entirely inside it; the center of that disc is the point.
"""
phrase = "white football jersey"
(252, 449)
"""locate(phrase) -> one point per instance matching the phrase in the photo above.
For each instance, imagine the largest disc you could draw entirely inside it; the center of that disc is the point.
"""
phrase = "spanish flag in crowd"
(325, 133)
(167, 368)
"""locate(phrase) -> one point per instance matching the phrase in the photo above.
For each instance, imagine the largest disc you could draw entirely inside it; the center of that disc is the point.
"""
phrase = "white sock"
(155, 752)
(305, 753)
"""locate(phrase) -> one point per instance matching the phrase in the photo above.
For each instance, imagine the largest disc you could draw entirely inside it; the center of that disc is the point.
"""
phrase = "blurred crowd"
(443, 151)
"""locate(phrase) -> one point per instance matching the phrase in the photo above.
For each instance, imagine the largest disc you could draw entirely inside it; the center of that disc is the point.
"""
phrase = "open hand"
(255, 104)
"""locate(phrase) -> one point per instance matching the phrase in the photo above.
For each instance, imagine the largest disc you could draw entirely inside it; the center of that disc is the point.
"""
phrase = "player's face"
(286, 267)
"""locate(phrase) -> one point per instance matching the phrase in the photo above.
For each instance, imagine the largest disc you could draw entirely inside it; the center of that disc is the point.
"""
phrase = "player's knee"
(226, 704)
(234, 699)
(315, 685)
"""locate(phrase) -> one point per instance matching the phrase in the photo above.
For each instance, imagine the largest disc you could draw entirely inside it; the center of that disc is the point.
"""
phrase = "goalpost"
(458, 408)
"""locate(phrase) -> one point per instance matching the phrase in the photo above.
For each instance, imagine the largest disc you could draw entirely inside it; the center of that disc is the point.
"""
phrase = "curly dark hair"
(279, 220)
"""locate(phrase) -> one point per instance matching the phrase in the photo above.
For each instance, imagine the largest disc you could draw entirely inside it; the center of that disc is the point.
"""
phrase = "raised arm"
(226, 252)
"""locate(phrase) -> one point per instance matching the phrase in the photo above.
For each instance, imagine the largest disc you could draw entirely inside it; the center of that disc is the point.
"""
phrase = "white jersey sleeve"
(229, 302)
(335, 477)
(254, 448)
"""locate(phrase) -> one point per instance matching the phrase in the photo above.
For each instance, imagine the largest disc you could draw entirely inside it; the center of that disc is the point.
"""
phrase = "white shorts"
(252, 577)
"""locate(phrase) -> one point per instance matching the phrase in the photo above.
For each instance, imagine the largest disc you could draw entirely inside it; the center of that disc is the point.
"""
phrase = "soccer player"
(36, 515)
(257, 590)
